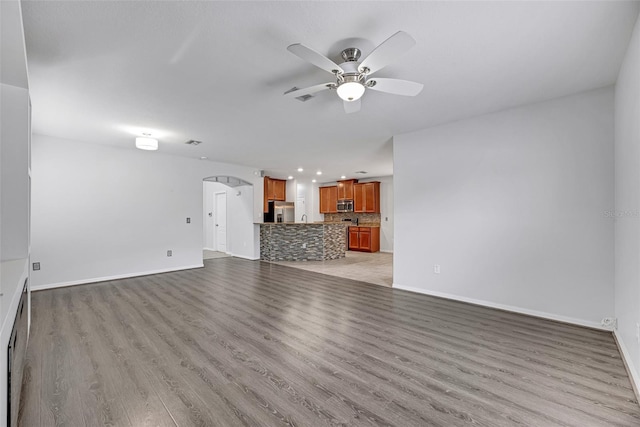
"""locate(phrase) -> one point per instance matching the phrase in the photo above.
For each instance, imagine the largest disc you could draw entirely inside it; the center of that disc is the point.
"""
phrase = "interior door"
(221, 222)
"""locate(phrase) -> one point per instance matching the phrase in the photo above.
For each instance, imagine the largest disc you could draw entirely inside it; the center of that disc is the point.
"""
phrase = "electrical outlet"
(436, 268)
(36, 266)
(188, 220)
(169, 253)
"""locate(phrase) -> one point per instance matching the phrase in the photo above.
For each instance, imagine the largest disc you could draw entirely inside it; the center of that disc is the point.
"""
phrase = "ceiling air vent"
(193, 142)
(303, 98)
(361, 172)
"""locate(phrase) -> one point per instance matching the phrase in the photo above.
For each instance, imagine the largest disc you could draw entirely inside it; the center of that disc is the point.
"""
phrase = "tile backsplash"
(363, 218)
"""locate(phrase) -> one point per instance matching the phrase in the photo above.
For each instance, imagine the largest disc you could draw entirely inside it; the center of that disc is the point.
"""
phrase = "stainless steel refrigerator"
(280, 212)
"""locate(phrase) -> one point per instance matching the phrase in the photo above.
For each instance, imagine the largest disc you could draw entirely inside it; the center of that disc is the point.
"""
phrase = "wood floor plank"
(250, 343)
(562, 410)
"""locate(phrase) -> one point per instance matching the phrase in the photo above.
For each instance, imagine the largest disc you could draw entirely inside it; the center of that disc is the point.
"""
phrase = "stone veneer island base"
(302, 242)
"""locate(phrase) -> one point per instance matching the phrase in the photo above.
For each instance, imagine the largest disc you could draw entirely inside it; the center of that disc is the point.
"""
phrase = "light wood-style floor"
(251, 343)
(207, 254)
(376, 268)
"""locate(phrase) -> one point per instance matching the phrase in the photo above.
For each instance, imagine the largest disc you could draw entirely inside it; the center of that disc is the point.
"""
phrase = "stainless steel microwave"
(345, 206)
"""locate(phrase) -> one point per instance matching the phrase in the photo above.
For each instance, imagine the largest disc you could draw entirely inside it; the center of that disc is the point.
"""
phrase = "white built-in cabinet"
(15, 209)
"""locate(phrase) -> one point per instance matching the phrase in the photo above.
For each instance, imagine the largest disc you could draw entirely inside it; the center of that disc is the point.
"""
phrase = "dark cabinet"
(364, 239)
(366, 197)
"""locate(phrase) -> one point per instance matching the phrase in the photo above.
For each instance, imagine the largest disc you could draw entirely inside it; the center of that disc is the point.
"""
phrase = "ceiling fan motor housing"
(351, 54)
(350, 68)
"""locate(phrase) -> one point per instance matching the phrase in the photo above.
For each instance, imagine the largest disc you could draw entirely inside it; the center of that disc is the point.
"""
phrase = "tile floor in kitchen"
(367, 267)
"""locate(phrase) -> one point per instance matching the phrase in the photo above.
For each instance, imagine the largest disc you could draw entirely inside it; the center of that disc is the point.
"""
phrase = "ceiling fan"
(352, 77)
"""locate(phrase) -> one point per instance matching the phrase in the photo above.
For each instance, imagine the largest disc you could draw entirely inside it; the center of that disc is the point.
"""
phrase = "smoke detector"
(193, 142)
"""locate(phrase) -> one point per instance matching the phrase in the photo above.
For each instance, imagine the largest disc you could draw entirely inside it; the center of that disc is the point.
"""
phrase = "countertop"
(345, 223)
(300, 223)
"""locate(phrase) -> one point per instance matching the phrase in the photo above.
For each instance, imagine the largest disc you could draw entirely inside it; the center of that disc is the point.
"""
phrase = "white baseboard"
(628, 363)
(535, 313)
(386, 251)
(244, 257)
(210, 249)
(116, 277)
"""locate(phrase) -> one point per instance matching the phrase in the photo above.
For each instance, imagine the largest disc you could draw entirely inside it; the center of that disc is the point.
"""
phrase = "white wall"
(627, 207)
(102, 212)
(512, 207)
(239, 222)
(208, 233)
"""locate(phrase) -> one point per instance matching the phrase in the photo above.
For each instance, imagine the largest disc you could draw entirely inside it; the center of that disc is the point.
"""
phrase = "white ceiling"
(215, 71)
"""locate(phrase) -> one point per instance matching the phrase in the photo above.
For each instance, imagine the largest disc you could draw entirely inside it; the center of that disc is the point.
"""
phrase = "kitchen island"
(317, 241)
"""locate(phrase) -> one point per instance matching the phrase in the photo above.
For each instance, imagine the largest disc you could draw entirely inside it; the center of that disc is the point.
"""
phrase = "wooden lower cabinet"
(364, 239)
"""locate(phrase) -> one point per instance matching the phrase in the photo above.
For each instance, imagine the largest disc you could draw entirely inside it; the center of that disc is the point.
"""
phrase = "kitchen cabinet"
(366, 197)
(328, 199)
(274, 189)
(345, 189)
(364, 239)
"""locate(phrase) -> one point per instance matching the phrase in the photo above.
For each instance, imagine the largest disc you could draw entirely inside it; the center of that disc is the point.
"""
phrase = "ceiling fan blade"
(387, 52)
(352, 106)
(395, 86)
(315, 58)
(308, 90)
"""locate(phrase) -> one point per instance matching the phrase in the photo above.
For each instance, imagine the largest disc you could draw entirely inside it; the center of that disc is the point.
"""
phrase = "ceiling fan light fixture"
(146, 143)
(350, 91)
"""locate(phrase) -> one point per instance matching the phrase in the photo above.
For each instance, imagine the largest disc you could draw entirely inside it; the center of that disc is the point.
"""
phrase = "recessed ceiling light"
(313, 180)
(203, 158)
(290, 177)
(300, 169)
(343, 177)
(319, 173)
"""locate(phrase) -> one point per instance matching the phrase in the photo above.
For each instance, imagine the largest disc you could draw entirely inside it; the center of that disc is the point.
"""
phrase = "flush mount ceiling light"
(290, 177)
(300, 169)
(146, 143)
(343, 177)
(319, 173)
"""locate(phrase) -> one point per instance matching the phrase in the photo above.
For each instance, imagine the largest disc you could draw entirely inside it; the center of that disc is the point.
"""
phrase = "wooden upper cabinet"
(345, 189)
(328, 199)
(274, 189)
(279, 189)
(366, 197)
